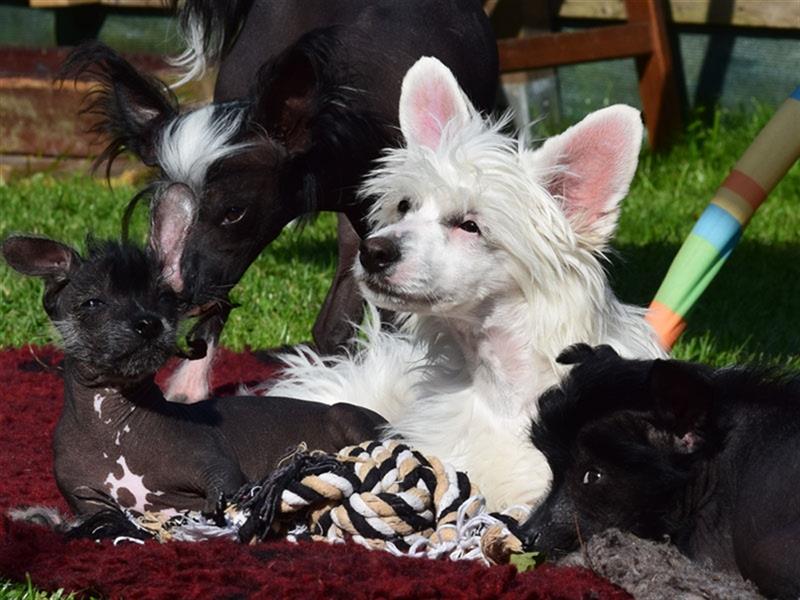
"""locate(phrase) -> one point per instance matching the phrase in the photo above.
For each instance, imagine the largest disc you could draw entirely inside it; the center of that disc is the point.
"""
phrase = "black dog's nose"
(377, 253)
(530, 541)
(148, 327)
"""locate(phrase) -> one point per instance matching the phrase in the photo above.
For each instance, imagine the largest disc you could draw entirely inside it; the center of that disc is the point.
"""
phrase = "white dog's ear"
(429, 99)
(589, 168)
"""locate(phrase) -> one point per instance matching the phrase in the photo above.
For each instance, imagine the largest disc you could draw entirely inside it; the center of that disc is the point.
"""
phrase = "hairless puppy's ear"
(578, 353)
(40, 257)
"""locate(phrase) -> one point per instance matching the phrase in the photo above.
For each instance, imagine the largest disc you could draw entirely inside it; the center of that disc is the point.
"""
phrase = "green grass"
(26, 591)
(750, 312)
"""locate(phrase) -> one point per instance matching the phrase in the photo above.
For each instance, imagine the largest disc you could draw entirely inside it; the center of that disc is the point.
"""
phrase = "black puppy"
(708, 457)
(117, 434)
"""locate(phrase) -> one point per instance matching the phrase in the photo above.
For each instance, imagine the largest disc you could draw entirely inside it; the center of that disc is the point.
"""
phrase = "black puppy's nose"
(530, 541)
(148, 327)
(377, 253)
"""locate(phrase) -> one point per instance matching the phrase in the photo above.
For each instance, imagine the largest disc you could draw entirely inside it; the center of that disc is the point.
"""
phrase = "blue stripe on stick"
(796, 93)
(719, 228)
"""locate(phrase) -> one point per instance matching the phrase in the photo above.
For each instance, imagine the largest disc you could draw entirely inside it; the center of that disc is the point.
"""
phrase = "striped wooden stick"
(719, 228)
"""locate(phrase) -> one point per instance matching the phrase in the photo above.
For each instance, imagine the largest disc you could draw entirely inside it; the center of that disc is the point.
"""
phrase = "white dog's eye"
(470, 227)
(592, 476)
(403, 206)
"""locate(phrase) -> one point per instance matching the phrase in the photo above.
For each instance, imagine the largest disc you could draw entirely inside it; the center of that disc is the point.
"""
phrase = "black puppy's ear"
(683, 395)
(170, 221)
(286, 99)
(40, 257)
(578, 353)
(131, 108)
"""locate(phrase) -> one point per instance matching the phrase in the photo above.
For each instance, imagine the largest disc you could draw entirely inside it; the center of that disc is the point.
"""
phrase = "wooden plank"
(28, 103)
(602, 43)
(46, 62)
(118, 3)
(746, 13)
(39, 116)
(658, 87)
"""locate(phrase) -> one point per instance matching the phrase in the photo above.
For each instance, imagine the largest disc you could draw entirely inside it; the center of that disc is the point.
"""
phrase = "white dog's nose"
(377, 253)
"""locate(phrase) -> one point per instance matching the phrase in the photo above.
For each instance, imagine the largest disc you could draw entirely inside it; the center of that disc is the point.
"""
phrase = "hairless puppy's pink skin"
(118, 436)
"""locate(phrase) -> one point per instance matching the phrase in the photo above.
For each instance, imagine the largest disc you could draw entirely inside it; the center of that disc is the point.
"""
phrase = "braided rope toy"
(719, 228)
(381, 495)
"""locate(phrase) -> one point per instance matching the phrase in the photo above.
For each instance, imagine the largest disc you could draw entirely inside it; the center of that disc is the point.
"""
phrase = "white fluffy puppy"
(497, 253)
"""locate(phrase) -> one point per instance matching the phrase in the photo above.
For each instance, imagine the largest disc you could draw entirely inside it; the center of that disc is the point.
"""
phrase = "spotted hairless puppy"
(118, 436)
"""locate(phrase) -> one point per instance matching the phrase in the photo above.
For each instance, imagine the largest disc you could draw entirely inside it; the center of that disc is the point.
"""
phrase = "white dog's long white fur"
(501, 269)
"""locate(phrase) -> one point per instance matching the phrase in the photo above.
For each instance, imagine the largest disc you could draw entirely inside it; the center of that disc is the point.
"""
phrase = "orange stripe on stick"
(667, 324)
(746, 187)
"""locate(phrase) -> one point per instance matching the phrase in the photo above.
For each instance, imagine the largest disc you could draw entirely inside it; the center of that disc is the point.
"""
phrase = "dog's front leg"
(333, 329)
(191, 381)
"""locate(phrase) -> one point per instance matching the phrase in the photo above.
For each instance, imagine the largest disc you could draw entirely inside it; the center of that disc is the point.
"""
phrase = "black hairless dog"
(117, 435)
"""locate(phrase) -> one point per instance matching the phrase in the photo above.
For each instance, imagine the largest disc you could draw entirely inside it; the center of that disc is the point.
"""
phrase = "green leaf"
(526, 561)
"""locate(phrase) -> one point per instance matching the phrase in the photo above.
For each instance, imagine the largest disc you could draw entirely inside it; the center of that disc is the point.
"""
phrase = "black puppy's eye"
(403, 206)
(470, 227)
(92, 303)
(234, 214)
(592, 476)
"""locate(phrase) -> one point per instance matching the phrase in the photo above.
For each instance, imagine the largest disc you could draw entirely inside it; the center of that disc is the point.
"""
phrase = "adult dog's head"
(465, 213)
(231, 175)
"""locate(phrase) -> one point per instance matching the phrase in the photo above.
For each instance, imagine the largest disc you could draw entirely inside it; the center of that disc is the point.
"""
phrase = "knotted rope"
(383, 495)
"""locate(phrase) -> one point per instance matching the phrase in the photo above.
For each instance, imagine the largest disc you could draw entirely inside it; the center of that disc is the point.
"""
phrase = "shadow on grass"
(752, 305)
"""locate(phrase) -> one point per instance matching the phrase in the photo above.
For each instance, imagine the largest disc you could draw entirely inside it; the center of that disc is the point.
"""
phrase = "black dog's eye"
(592, 476)
(233, 215)
(403, 206)
(92, 303)
(470, 227)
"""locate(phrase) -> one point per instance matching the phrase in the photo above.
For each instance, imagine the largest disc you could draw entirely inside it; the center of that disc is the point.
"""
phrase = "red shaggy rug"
(30, 402)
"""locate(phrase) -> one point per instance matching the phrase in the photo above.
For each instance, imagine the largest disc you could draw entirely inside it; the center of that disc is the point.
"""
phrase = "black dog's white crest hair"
(209, 28)
(129, 106)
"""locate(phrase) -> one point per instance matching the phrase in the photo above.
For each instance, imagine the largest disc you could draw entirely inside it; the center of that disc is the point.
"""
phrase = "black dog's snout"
(377, 253)
(530, 541)
(148, 327)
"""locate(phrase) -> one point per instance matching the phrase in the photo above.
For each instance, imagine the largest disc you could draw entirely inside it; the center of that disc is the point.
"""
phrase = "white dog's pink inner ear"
(429, 100)
(432, 108)
(596, 163)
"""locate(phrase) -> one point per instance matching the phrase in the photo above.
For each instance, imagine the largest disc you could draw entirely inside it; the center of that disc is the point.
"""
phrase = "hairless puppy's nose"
(377, 253)
(148, 327)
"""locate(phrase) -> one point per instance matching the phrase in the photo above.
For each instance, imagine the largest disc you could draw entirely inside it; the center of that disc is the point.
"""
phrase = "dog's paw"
(578, 353)
(189, 383)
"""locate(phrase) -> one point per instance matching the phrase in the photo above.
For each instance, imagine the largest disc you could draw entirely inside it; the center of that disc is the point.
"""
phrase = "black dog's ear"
(683, 396)
(40, 257)
(170, 220)
(131, 108)
(286, 99)
(578, 353)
